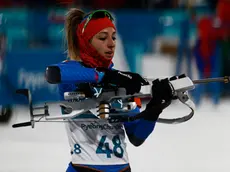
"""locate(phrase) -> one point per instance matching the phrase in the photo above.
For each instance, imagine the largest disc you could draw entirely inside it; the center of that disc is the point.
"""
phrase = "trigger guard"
(183, 98)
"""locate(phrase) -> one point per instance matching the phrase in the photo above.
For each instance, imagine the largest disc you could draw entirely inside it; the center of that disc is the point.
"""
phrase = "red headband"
(88, 53)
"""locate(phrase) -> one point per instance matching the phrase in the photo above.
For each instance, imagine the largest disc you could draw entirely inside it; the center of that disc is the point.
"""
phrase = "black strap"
(80, 168)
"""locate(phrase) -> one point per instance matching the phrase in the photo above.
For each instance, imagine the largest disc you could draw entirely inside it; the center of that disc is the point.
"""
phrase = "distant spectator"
(5, 3)
(162, 4)
(65, 3)
(212, 4)
(111, 4)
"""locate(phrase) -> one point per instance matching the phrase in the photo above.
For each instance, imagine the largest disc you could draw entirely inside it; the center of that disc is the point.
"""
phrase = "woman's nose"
(111, 43)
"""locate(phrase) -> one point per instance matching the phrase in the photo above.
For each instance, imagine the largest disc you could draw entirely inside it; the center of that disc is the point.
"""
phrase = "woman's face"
(105, 41)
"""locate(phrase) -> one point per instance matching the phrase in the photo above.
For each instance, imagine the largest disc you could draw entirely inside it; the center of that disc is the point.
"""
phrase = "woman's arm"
(138, 130)
(69, 72)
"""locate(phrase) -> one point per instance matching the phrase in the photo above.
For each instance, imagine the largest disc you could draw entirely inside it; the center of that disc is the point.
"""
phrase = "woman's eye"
(114, 38)
(102, 39)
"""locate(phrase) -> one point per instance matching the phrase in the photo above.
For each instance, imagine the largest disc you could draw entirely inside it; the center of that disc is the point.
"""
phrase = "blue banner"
(26, 69)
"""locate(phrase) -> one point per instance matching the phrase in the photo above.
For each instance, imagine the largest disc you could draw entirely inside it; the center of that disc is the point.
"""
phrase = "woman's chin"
(108, 56)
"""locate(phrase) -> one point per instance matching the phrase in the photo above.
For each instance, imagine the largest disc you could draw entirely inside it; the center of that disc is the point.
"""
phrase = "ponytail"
(73, 19)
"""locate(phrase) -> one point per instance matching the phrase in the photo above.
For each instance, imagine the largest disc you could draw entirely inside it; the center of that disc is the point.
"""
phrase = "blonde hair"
(73, 18)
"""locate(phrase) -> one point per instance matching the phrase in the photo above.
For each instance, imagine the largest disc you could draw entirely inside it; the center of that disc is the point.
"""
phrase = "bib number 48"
(104, 148)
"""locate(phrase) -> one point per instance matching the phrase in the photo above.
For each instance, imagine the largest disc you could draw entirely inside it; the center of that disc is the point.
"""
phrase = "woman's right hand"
(162, 91)
(162, 95)
(132, 82)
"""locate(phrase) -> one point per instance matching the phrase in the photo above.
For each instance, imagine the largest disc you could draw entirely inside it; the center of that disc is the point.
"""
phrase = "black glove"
(162, 95)
(132, 82)
(161, 91)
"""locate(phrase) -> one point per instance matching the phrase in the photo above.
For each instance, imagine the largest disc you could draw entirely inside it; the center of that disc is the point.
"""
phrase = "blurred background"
(156, 38)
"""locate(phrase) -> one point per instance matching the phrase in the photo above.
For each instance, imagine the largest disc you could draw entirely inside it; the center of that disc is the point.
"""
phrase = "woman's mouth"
(109, 54)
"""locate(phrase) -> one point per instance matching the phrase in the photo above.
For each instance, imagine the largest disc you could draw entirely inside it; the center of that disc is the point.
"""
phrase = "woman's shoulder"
(71, 62)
